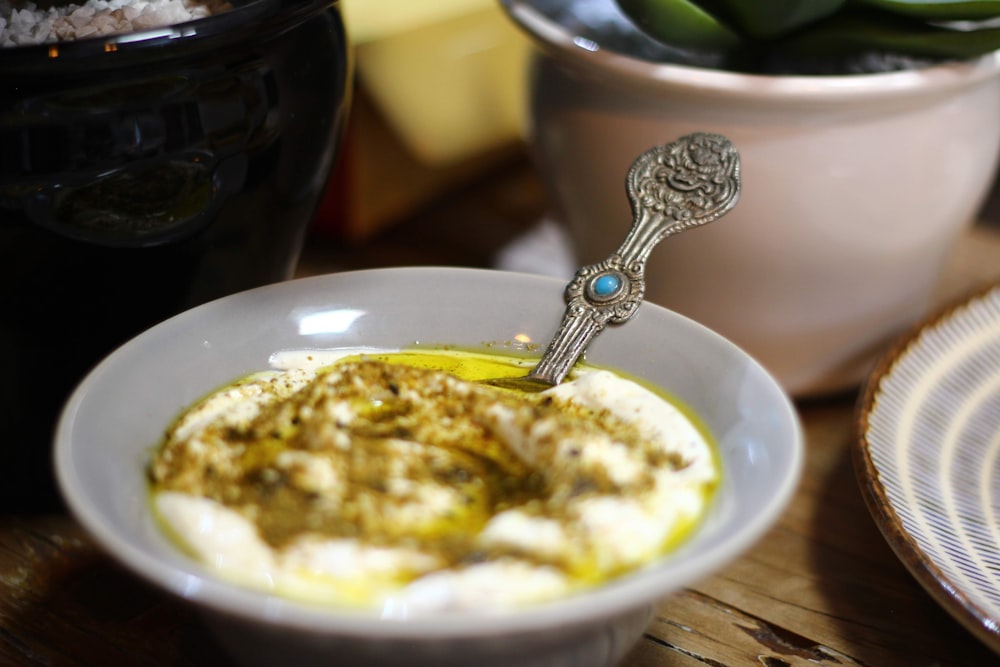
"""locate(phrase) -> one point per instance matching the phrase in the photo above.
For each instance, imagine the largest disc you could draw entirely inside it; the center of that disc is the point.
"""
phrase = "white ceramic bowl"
(119, 411)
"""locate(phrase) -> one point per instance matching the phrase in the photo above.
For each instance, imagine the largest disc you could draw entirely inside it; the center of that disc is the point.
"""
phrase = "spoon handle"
(686, 183)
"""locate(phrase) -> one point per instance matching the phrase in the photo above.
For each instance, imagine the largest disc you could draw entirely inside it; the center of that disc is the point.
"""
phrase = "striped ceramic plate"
(928, 457)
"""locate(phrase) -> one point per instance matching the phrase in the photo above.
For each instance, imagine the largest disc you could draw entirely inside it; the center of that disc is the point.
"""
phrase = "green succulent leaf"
(821, 35)
(767, 19)
(938, 10)
(853, 33)
(681, 23)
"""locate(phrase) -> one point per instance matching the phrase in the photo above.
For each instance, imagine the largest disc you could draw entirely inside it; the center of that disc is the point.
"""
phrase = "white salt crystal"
(23, 23)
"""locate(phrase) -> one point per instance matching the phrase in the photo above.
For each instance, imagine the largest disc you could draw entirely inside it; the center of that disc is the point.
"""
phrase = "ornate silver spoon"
(686, 183)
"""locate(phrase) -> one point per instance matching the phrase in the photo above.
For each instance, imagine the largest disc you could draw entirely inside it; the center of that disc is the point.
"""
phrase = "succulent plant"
(820, 36)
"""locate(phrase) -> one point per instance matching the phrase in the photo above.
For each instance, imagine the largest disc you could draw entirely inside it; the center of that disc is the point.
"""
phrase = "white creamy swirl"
(377, 484)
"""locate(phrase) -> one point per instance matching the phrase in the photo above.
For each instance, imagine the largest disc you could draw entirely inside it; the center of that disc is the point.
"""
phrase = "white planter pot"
(855, 188)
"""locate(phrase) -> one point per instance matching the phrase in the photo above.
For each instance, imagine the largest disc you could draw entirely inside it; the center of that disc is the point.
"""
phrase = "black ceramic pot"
(143, 174)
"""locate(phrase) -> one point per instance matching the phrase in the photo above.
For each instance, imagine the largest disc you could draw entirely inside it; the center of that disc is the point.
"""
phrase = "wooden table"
(821, 588)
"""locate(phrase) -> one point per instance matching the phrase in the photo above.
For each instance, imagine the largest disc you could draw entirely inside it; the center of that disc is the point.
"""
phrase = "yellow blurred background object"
(440, 96)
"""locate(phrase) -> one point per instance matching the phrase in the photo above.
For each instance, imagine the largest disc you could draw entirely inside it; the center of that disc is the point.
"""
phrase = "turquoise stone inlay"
(607, 284)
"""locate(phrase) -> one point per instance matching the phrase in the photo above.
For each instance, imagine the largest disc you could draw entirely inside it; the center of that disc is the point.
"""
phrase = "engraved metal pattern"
(686, 183)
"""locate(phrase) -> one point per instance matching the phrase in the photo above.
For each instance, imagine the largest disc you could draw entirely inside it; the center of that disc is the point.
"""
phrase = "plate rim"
(923, 568)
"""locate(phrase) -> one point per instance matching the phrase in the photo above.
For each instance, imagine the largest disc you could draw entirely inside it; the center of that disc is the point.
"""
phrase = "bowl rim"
(556, 40)
(624, 594)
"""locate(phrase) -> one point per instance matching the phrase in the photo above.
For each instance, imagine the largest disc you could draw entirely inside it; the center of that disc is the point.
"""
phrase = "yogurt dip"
(380, 480)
